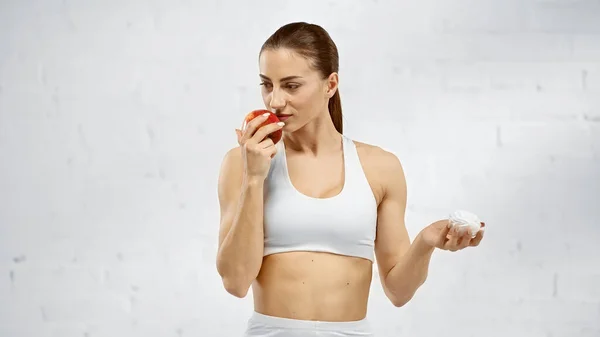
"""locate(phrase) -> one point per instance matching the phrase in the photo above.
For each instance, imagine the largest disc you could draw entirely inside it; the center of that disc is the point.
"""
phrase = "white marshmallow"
(466, 220)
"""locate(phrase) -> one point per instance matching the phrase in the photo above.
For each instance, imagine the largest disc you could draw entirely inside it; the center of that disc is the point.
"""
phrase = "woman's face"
(293, 90)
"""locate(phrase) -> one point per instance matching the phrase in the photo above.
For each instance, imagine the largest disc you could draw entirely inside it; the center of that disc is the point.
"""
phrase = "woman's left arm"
(403, 267)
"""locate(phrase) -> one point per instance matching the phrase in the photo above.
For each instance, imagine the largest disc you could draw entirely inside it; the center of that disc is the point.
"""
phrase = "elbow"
(400, 301)
(398, 304)
(233, 282)
(235, 288)
(236, 278)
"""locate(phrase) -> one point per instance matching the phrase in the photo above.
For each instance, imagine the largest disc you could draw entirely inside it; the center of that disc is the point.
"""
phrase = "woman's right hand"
(257, 148)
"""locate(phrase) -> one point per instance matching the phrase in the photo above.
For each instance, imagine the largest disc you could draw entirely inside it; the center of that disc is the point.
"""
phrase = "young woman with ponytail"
(302, 220)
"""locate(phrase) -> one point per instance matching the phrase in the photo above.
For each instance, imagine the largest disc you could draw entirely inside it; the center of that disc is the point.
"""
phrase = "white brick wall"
(115, 115)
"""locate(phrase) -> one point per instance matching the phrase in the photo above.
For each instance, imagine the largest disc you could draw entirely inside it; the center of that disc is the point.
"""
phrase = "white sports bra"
(344, 224)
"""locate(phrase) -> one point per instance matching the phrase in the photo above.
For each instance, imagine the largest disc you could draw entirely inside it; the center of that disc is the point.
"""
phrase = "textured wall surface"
(115, 115)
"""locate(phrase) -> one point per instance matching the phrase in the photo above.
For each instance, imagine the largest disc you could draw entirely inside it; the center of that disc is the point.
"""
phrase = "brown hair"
(314, 43)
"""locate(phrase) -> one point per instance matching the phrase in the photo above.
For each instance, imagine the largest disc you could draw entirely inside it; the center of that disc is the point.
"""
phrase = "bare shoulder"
(377, 159)
(382, 168)
(374, 155)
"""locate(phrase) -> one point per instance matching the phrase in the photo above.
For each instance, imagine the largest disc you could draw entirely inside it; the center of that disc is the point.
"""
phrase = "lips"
(283, 117)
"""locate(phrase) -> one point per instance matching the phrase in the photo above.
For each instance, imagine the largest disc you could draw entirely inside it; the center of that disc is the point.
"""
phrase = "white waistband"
(360, 326)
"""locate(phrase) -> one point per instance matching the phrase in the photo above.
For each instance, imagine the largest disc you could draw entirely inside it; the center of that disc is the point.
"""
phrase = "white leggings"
(260, 325)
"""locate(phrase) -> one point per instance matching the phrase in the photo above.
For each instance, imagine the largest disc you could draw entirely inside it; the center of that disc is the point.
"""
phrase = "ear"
(332, 82)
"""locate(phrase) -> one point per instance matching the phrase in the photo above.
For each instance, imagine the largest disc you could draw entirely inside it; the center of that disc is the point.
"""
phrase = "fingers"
(238, 132)
(264, 131)
(266, 143)
(459, 238)
(453, 236)
(444, 236)
(266, 147)
(270, 151)
(465, 239)
(447, 228)
(252, 126)
(477, 239)
(255, 133)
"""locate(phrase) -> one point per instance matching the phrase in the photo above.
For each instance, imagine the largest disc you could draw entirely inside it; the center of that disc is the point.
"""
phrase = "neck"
(318, 136)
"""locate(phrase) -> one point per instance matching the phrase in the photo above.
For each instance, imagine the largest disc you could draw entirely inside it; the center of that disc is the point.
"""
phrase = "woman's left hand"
(439, 235)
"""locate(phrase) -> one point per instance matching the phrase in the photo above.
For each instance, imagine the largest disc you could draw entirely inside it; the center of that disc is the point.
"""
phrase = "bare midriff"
(313, 286)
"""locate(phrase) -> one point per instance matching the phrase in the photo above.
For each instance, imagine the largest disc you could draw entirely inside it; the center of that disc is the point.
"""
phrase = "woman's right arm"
(240, 253)
(241, 184)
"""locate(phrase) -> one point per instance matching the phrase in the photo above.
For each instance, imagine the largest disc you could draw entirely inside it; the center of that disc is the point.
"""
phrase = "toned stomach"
(313, 286)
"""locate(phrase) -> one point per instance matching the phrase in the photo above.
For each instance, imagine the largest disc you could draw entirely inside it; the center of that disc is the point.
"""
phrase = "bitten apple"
(272, 118)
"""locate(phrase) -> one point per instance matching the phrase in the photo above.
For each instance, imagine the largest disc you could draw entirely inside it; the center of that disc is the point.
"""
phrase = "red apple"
(276, 135)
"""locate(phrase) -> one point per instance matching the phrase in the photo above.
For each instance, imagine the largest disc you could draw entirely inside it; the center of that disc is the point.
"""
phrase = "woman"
(303, 220)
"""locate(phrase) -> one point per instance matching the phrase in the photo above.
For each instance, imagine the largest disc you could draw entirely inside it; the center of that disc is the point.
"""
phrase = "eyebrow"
(281, 80)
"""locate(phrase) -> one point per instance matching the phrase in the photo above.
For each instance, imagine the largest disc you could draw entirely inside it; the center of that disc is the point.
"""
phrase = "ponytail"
(335, 111)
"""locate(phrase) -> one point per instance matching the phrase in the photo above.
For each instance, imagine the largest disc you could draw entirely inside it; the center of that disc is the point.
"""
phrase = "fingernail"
(266, 114)
(281, 123)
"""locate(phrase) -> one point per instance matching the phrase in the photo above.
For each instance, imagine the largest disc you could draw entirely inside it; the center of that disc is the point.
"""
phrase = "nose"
(277, 100)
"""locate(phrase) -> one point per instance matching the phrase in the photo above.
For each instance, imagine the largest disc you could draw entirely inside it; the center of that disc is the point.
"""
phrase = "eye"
(292, 86)
(265, 84)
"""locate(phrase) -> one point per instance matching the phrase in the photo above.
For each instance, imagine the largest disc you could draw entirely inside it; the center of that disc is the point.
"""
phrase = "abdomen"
(313, 286)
